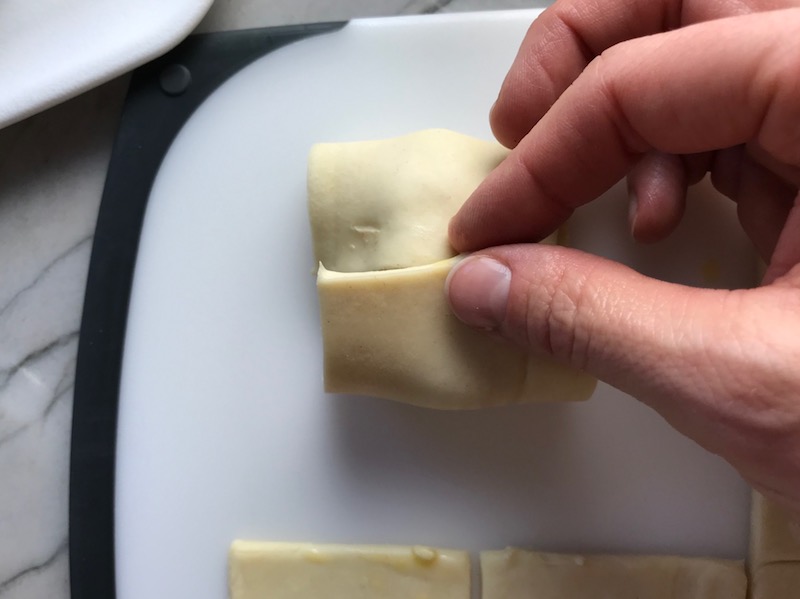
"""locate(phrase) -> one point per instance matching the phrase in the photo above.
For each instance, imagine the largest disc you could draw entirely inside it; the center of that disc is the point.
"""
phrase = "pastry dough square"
(776, 581)
(262, 570)
(519, 574)
(774, 537)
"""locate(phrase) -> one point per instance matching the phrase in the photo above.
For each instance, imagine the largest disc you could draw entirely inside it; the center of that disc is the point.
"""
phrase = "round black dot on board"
(175, 79)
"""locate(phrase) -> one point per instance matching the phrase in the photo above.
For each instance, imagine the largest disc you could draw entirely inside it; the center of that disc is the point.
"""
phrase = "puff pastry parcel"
(379, 212)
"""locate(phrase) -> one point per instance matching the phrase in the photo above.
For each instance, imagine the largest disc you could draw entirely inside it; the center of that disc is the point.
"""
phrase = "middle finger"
(570, 34)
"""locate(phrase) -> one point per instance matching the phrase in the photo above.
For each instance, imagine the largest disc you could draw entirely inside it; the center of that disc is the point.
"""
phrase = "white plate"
(224, 430)
(52, 50)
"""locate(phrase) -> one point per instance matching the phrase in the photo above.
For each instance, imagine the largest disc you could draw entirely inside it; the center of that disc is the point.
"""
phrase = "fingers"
(786, 257)
(584, 310)
(571, 33)
(763, 198)
(657, 189)
(729, 383)
(619, 109)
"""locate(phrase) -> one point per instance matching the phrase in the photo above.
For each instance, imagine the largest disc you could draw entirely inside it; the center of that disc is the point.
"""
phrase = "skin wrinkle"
(586, 305)
(559, 205)
(534, 67)
(567, 17)
(534, 62)
(680, 332)
(537, 335)
(739, 366)
(775, 404)
(677, 375)
(563, 318)
(781, 73)
(534, 334)
(551, 75)
(627, 137)
(716, 368)
(556, 319)
(689, 379)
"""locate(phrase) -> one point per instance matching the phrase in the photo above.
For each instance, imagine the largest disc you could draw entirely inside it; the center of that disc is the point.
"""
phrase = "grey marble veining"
(52, 170)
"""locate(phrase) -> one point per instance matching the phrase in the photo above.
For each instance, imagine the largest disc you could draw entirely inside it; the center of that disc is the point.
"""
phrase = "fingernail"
(477, 289)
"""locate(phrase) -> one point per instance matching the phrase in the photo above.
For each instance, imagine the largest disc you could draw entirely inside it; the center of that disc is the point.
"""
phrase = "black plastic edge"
(152, 116)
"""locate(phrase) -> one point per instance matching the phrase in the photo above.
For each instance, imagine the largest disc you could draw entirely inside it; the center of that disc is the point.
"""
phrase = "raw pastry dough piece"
(391, 334)
(518, 574)
(379, 212)
(377, 205)
(308, 571)
(774, 537)
(776, 581)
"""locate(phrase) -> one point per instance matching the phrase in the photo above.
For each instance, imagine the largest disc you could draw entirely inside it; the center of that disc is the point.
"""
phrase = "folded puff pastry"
(379, 212)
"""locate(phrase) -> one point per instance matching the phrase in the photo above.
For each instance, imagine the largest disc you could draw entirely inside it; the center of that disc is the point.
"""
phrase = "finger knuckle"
(778, 87)
(556, 316)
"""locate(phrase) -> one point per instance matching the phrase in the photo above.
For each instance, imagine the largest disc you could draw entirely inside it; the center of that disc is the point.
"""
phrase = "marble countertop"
(52, 171)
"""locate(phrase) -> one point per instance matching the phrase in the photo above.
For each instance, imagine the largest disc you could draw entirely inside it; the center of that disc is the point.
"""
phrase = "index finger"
(646, 94)
(571, 33)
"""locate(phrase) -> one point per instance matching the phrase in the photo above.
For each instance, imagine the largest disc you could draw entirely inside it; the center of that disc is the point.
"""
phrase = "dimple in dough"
(519, 574)
(379, 212)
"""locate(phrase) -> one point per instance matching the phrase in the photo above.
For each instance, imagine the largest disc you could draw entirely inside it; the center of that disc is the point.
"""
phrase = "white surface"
(224, 430)
(51, 50)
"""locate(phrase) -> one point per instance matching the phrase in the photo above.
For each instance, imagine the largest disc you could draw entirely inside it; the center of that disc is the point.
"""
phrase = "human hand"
(662, 91)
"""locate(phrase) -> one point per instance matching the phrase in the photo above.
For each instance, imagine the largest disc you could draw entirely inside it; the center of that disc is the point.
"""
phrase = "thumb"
(695, 355)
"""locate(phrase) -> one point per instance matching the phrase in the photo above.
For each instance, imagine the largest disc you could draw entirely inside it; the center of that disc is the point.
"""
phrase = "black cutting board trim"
(162, 96)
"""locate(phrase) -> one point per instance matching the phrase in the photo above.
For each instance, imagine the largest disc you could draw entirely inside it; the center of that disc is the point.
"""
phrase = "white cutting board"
(224, 430)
